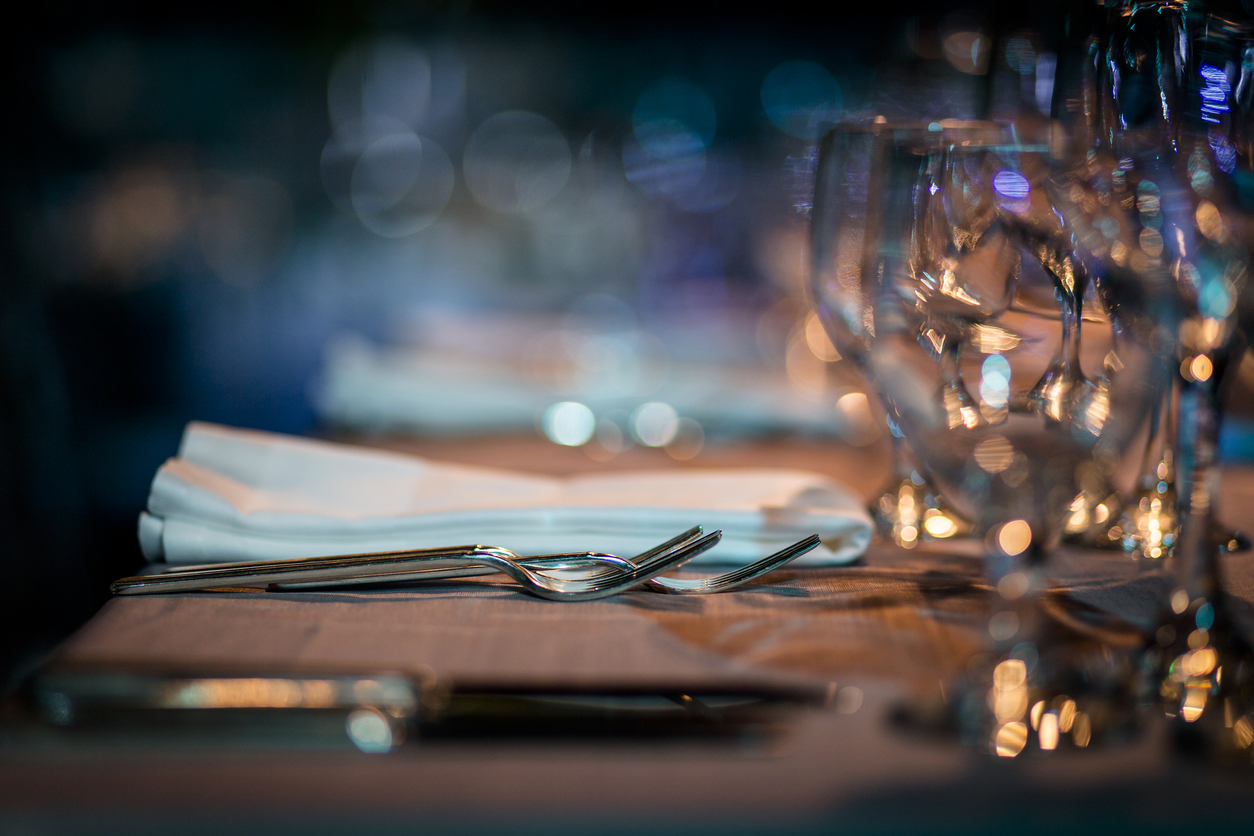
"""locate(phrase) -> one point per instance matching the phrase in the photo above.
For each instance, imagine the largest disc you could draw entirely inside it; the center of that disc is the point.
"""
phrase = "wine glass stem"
(1071, 317)
(1196, 553)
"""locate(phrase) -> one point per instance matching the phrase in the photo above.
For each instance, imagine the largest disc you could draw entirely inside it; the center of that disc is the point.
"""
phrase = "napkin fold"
(234, 494)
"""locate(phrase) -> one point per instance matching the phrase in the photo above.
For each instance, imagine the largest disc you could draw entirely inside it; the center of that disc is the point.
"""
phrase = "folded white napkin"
(247, 495)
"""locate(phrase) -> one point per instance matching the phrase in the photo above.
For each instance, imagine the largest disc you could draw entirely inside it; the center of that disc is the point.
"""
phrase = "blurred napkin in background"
(245, 495)
(481, 373)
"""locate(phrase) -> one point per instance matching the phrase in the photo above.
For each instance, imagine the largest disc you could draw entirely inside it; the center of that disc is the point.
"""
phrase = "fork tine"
(692, 547)
(736, 577)
(605, 587)
(546, 560)
(688, 536)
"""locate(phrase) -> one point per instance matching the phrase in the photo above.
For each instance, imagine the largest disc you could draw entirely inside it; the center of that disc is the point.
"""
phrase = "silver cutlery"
(402, 565)
(674, 586)
(596, 574)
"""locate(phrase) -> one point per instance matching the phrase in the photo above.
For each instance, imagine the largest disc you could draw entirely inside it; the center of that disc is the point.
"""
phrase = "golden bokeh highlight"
(1201, 367)
(1014, 537)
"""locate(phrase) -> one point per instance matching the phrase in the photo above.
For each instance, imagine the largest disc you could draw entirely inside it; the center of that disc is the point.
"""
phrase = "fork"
(674, 586)
(736, 577)
(396, 566)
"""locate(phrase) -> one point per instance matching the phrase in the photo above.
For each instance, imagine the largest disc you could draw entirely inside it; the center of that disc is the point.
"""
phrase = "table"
(867, 637)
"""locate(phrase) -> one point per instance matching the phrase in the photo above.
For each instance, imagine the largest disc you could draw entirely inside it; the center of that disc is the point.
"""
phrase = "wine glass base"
(1202, 670)
(1072, 681)
(912, 511)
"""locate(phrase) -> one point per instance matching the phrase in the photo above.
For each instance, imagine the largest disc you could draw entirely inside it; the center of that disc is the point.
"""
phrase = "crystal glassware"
(942, 265)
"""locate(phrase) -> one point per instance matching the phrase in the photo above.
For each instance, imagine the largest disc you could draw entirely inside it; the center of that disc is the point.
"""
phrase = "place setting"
(903, 476)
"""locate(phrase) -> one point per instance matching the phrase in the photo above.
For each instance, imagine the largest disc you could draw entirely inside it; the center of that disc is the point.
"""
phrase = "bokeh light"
(858, 424)
(800, 97)
(688, 441)
(671, 116)
(569, 423)
(400, 184)
(1014, 537)
(818, 341)
(994, 454)
(369, 730)
(995, 381)
(1003, 626)
(515, 162)
(966, 46)
(673, 125)
(655, 424)
(1014, 193)
(375, 84)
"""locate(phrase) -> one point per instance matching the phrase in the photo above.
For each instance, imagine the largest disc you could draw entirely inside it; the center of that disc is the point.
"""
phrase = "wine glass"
(1157, 208)
(1200, 665)
(942, 265)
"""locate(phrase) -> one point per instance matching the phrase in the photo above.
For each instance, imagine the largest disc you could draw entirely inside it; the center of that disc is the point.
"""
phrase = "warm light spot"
(1195, 695)
(848, 700)
(610, 436)
(252, 693)
(858, 424)
(1079, 519)
(688, 441)
(1010, 674)
(1010, 706)
(909, 533)
(1038, 709)
(1198, 639)
(1200, 662)
(1013, 585)
(1201, 367)
(993, 339)
(968, 51)
(1151, 242)
(1010, 739)
(1014, 537)
(905, 498)
(994, 454)
(1209, 222)
(1049, 731)
(938, 525)
(818, 341)
(1066, 716)
(1179, 601)
(1081, 730)
(1242, 733)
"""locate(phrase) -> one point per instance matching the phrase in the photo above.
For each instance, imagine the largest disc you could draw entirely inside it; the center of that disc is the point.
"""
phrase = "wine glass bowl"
(944, 265)
(930, 251)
